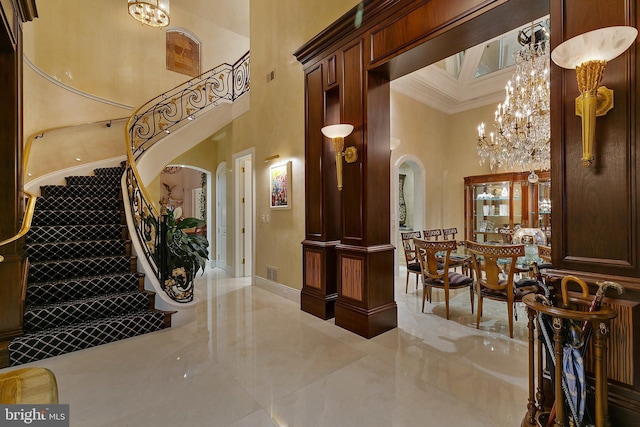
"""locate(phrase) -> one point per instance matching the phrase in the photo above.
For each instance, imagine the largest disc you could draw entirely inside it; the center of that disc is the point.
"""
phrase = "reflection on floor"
(253, 359)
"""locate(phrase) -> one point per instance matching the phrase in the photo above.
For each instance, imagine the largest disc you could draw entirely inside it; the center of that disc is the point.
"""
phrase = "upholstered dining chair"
(432, 234)
(413, 265)
(434, 258)
(494, 282)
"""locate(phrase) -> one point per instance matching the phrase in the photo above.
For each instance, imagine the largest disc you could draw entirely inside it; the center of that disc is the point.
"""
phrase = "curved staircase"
(83, 287)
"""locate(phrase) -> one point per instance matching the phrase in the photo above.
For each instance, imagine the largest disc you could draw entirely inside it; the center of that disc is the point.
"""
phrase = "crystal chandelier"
(154, 13)
(522, 121)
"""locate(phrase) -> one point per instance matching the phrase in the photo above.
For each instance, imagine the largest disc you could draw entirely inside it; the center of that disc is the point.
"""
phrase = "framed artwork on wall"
(280, 186)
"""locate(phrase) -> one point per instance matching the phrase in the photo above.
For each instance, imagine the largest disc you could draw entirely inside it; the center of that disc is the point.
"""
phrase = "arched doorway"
(189, 188)
(409, 190)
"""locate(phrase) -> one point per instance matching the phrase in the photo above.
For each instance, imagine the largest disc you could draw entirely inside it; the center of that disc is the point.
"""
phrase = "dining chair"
(544, 253)
(495, 282)
(449, 233)
(506, 234)
(432, 234)
(434, 258)
(413, 265)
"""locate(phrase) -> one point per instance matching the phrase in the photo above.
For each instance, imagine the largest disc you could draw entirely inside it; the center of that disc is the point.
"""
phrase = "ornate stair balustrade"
(155, 120)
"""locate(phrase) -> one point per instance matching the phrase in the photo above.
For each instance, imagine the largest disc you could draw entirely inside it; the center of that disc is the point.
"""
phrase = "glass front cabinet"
(497, 204)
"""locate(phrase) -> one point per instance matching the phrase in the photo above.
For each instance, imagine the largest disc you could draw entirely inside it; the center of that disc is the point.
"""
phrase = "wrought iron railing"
(154, 121)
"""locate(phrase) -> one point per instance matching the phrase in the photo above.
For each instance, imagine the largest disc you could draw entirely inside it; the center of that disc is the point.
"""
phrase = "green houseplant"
(186, 254)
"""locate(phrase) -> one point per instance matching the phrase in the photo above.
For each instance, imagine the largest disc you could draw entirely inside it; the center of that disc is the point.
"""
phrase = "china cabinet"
(496, 204)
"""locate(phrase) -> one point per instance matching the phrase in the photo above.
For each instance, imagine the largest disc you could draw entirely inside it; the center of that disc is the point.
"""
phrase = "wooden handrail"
(26, 223)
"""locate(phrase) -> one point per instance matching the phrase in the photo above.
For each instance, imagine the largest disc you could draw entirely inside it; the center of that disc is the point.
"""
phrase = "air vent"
(272, 273)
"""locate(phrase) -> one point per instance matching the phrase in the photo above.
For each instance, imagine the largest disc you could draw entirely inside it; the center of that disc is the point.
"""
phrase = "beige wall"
(275, 123)
(446, 146)
(101, 50)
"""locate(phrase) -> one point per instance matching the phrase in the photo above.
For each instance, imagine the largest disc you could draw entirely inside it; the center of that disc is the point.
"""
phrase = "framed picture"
(280, 186)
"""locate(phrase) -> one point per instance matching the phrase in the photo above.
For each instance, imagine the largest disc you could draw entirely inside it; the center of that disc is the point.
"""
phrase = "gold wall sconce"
(274, 157)
(589, 53)
(337, 134)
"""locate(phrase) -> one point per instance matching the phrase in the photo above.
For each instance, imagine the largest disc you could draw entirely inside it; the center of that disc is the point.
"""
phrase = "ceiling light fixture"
(154, 13)
(523, 132)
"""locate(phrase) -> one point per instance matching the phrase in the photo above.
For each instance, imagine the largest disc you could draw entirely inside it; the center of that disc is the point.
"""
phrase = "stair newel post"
(162, 242)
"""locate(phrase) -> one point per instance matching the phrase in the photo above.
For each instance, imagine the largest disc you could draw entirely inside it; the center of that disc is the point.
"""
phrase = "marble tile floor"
(251, 358)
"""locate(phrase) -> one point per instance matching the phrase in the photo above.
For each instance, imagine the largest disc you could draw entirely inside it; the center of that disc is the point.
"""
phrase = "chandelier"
(154, 13)
(522, 121)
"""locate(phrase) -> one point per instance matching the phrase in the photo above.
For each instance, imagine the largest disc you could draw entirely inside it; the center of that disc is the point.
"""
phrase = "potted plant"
(186, 254)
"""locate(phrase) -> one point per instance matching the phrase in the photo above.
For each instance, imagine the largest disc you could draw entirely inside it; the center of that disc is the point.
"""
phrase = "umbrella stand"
(556, 316)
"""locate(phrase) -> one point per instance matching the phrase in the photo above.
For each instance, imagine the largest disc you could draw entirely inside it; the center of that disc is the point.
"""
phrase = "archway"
(413, 192)
(190, 188)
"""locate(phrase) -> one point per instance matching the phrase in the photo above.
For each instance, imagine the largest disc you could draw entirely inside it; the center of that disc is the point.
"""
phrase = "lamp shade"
(603, 44)
(335, 131)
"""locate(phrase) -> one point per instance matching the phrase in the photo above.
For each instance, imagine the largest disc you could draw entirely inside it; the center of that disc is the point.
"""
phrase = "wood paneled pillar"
(352, 225)
(13, 266)
(365, 302)
(322, 208)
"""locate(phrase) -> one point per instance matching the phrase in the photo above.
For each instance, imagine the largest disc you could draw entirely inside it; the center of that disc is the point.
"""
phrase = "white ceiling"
(438, 89)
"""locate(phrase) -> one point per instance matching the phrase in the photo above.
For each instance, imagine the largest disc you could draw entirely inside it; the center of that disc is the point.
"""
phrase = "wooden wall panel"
(621, 355)
(352, 174)
(412, 26)
(312, 269)
(595, 222)
(314, 153)
(378, 172)
(352, 278)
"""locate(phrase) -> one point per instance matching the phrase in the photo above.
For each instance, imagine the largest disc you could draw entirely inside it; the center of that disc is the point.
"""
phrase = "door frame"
(216, 262)
(209, 218)
(238, 158)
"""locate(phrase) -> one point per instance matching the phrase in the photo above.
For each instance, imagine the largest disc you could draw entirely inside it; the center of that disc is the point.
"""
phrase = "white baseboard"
(277, 288)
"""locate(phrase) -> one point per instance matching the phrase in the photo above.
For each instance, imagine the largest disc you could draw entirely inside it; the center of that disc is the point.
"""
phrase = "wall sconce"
(274, 157)
(337, 133)
(394, 143)
(589, 53)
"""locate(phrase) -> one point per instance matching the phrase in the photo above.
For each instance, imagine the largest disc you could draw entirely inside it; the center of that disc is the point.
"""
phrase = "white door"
(244, 213)
(221, 216)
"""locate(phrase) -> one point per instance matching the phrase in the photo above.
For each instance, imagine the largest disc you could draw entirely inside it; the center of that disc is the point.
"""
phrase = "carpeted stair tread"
(41, 234)
(75, 217)
(76, 249)
(83, 289)
(110, 180)
(41, 317)
(79, 190)
(65, 290)
(49, 343)
(117, 170)
(46, 271)
(77, 203)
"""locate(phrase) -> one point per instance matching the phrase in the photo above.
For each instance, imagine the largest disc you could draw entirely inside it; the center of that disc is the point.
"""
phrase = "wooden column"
(322, 208)
(365, 302)
(13, 266)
